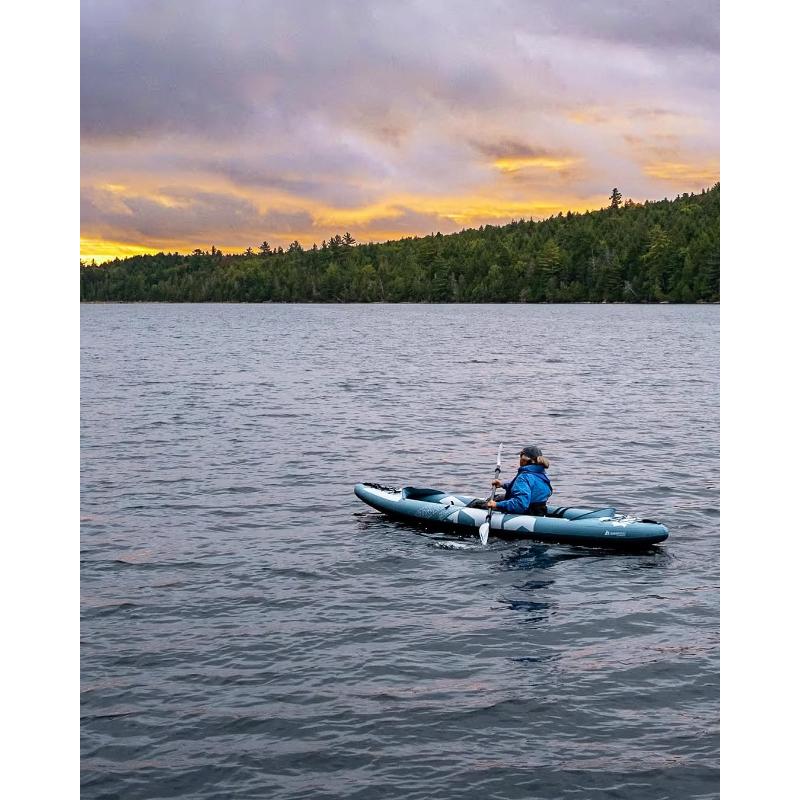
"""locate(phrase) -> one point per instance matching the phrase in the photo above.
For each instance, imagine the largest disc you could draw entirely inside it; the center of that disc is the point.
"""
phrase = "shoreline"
(385, 303)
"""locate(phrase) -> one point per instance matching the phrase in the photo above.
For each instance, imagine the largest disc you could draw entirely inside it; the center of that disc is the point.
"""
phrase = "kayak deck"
(565, 524)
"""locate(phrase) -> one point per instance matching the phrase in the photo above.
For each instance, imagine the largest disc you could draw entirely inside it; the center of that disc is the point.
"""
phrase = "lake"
(250, 629)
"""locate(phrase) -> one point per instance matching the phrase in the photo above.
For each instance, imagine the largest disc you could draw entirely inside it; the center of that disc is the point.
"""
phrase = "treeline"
(629, 252)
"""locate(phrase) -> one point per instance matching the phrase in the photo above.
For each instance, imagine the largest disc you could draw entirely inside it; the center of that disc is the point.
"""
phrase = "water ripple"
(250, 630)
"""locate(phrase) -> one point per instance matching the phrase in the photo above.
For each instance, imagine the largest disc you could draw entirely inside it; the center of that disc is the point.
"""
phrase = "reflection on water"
(543, 556)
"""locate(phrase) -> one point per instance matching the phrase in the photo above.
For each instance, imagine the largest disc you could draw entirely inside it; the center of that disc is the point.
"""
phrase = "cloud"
(181, 214)
(509, 148)
(667, 159)
(685, 176)
(336, 110)
(213, 69)
(142, 75)
(668, 24)
(404, 221)
(519, 160)
(341, 175)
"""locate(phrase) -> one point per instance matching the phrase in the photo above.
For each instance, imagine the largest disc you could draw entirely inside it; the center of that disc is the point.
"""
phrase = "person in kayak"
(528, 492)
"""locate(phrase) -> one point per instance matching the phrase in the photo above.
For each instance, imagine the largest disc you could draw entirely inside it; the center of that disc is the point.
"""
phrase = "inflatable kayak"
(567, 525)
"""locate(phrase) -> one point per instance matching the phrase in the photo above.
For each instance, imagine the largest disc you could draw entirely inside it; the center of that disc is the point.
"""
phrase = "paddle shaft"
(494, 491)
(483, 530)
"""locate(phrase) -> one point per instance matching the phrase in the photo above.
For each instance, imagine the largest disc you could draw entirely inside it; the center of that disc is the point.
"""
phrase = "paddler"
(530, 489)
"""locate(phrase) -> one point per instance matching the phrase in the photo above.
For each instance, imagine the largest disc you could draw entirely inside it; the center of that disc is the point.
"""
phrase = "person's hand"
(491, 504)
(497, 483)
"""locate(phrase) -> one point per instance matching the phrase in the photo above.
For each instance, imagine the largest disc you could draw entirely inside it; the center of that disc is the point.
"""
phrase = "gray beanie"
(531, 452)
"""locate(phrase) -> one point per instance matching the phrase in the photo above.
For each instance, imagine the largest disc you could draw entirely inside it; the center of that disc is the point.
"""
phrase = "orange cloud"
(668, 158)
(516, 163)
(510, 155)
(101, 250)
(688, 175)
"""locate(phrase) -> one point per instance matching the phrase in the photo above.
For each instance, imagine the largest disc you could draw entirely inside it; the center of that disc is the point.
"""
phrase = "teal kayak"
(568, 525)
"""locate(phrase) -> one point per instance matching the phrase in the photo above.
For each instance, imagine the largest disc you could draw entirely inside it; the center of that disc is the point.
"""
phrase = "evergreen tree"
(660, 261)
(610, 281)
(667, 250)
(551, 263)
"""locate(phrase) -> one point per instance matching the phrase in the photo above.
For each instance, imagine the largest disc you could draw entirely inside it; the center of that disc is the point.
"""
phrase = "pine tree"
(551, 263)
(660, 262)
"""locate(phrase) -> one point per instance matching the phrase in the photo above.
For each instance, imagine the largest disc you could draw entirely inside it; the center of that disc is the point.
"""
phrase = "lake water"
(250, 629)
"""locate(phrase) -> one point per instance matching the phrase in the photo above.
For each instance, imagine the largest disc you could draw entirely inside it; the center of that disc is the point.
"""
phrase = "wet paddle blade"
(483, 531)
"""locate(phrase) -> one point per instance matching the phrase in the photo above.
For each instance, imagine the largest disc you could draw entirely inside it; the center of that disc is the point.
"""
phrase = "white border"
(759, 398)
(40, 327)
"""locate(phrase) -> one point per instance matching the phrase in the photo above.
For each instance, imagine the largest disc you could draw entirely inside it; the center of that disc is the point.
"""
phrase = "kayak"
(566, 525)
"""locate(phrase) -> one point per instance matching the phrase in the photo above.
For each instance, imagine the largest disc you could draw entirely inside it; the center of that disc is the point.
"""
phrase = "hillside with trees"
(662, 251)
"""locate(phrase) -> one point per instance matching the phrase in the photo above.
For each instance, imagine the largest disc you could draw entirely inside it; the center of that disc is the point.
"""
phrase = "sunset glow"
(230, 124)
(540, 162)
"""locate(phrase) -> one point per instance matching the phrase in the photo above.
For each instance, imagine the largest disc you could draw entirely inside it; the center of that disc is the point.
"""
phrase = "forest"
(651, 252)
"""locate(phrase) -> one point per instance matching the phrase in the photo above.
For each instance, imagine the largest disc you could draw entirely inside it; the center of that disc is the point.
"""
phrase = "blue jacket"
(530, 485)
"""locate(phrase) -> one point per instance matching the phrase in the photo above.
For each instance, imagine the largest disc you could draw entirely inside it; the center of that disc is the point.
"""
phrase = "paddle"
(484, 529)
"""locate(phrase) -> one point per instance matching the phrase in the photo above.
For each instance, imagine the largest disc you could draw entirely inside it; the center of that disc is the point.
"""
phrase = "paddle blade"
(483, 531)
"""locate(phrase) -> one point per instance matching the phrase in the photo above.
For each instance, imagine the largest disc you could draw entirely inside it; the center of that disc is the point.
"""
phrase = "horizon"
(204, 124)
(209, 248)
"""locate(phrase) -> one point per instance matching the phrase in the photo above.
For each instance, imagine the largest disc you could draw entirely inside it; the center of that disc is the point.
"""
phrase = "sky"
(233, 122)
